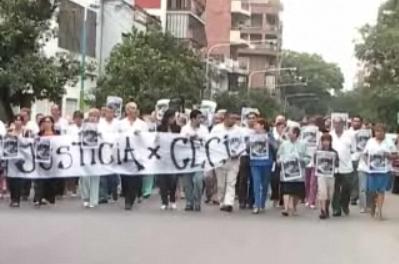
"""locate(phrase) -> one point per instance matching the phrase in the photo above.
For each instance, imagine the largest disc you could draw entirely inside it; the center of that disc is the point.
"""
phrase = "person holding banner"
(326, 162)
(378, 153)
(292, 158)
(46, 189)
(108, 127)
(262, 153)
(168, 182)
(15, 184)
(74, 130)
(90, 185)
(343, 142)
(226, 174)
(193, 182)
(131, 125)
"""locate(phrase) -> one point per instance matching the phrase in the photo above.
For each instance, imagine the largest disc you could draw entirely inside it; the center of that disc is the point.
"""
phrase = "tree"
(26, 73)
(152, 65)
(378, 51)
(319, 79)
(267, 105)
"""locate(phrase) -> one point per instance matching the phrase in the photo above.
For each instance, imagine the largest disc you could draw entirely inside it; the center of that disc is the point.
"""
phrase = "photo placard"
(291, 169)
(259, 147)
(325, 164)
(43, 150)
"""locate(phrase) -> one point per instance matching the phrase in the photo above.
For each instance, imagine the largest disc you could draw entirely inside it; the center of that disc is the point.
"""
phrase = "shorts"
(325, 188)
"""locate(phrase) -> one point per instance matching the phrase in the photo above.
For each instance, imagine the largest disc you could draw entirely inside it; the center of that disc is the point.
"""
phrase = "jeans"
(310, 186)
(211, 185)
(355, 183)
(364, 197)
(109, 186)
(193, 184)
(342, 191)
(261, 176)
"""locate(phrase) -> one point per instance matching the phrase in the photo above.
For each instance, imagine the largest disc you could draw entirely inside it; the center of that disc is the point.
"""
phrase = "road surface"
(69, 234)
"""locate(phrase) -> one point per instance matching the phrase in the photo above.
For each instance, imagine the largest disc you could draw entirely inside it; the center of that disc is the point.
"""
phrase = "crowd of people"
(250, 179)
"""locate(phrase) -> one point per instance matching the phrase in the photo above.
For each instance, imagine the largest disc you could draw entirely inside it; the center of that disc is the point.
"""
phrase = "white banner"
(141, 154)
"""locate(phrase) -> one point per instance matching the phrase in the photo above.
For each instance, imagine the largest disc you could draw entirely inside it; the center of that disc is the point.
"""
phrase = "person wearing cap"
(227, 173)
(344, 143)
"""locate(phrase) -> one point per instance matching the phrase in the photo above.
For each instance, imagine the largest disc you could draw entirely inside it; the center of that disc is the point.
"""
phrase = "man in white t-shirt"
(131, 124)
(108, 127)
(193, 182)
(60, 123)
(344, 143)
(245, 190)
(227, 174)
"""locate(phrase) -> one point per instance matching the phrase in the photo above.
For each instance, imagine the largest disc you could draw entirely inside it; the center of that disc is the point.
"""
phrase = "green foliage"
(151, 65)
(320, 77)
(26, 74)
(378, 50)
(267, 105)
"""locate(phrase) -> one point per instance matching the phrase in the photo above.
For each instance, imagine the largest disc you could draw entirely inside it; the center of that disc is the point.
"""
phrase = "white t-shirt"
(356, 155)
(108, 127)
(190, 131)
(32, 126)
(125, 126)
(2, 129)
(345, 146)
(235, 133)
(61, 125)
(373, 147)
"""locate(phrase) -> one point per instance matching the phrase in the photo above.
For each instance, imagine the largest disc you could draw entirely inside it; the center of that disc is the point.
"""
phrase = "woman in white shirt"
(378, 154)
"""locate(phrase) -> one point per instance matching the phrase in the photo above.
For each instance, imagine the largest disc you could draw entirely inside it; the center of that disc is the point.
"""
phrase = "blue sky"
(328, 28)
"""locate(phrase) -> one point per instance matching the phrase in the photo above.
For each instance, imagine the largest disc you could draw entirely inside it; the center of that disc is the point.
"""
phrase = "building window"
(179, 4)
(271, 19)
(256, 20)
(71, 105)
(70, 23)
(244, 36)
(255, 37)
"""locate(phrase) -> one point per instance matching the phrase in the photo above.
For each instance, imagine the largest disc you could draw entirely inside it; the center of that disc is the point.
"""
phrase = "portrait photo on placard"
(325, 164)
(291, 169)
(361, 137)
(89, 135)
(378, 163)
(10, 147)
(259, 147)
(115, 103)
(309, 135)
(43, 150)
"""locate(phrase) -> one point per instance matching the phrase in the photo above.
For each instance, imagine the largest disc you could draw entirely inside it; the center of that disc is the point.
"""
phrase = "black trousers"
(395, 185)
(245, 190)
(167, 185)
(15, 188)
(26, 186)
(46, 189)
(275, 184)
(131, 186)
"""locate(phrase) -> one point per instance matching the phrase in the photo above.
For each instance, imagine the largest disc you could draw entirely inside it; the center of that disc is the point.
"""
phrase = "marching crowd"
(248, 179)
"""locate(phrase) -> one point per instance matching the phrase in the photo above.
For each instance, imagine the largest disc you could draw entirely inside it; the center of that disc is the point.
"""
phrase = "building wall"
(218, 25)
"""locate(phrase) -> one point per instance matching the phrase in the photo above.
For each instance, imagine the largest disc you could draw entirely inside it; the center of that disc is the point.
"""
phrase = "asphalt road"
(69, 234)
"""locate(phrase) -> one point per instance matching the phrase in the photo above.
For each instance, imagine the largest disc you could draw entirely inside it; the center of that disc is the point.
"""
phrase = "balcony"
(184, 24)
(231, 66)
(235, 38)
(238, 8)
(266, 48)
